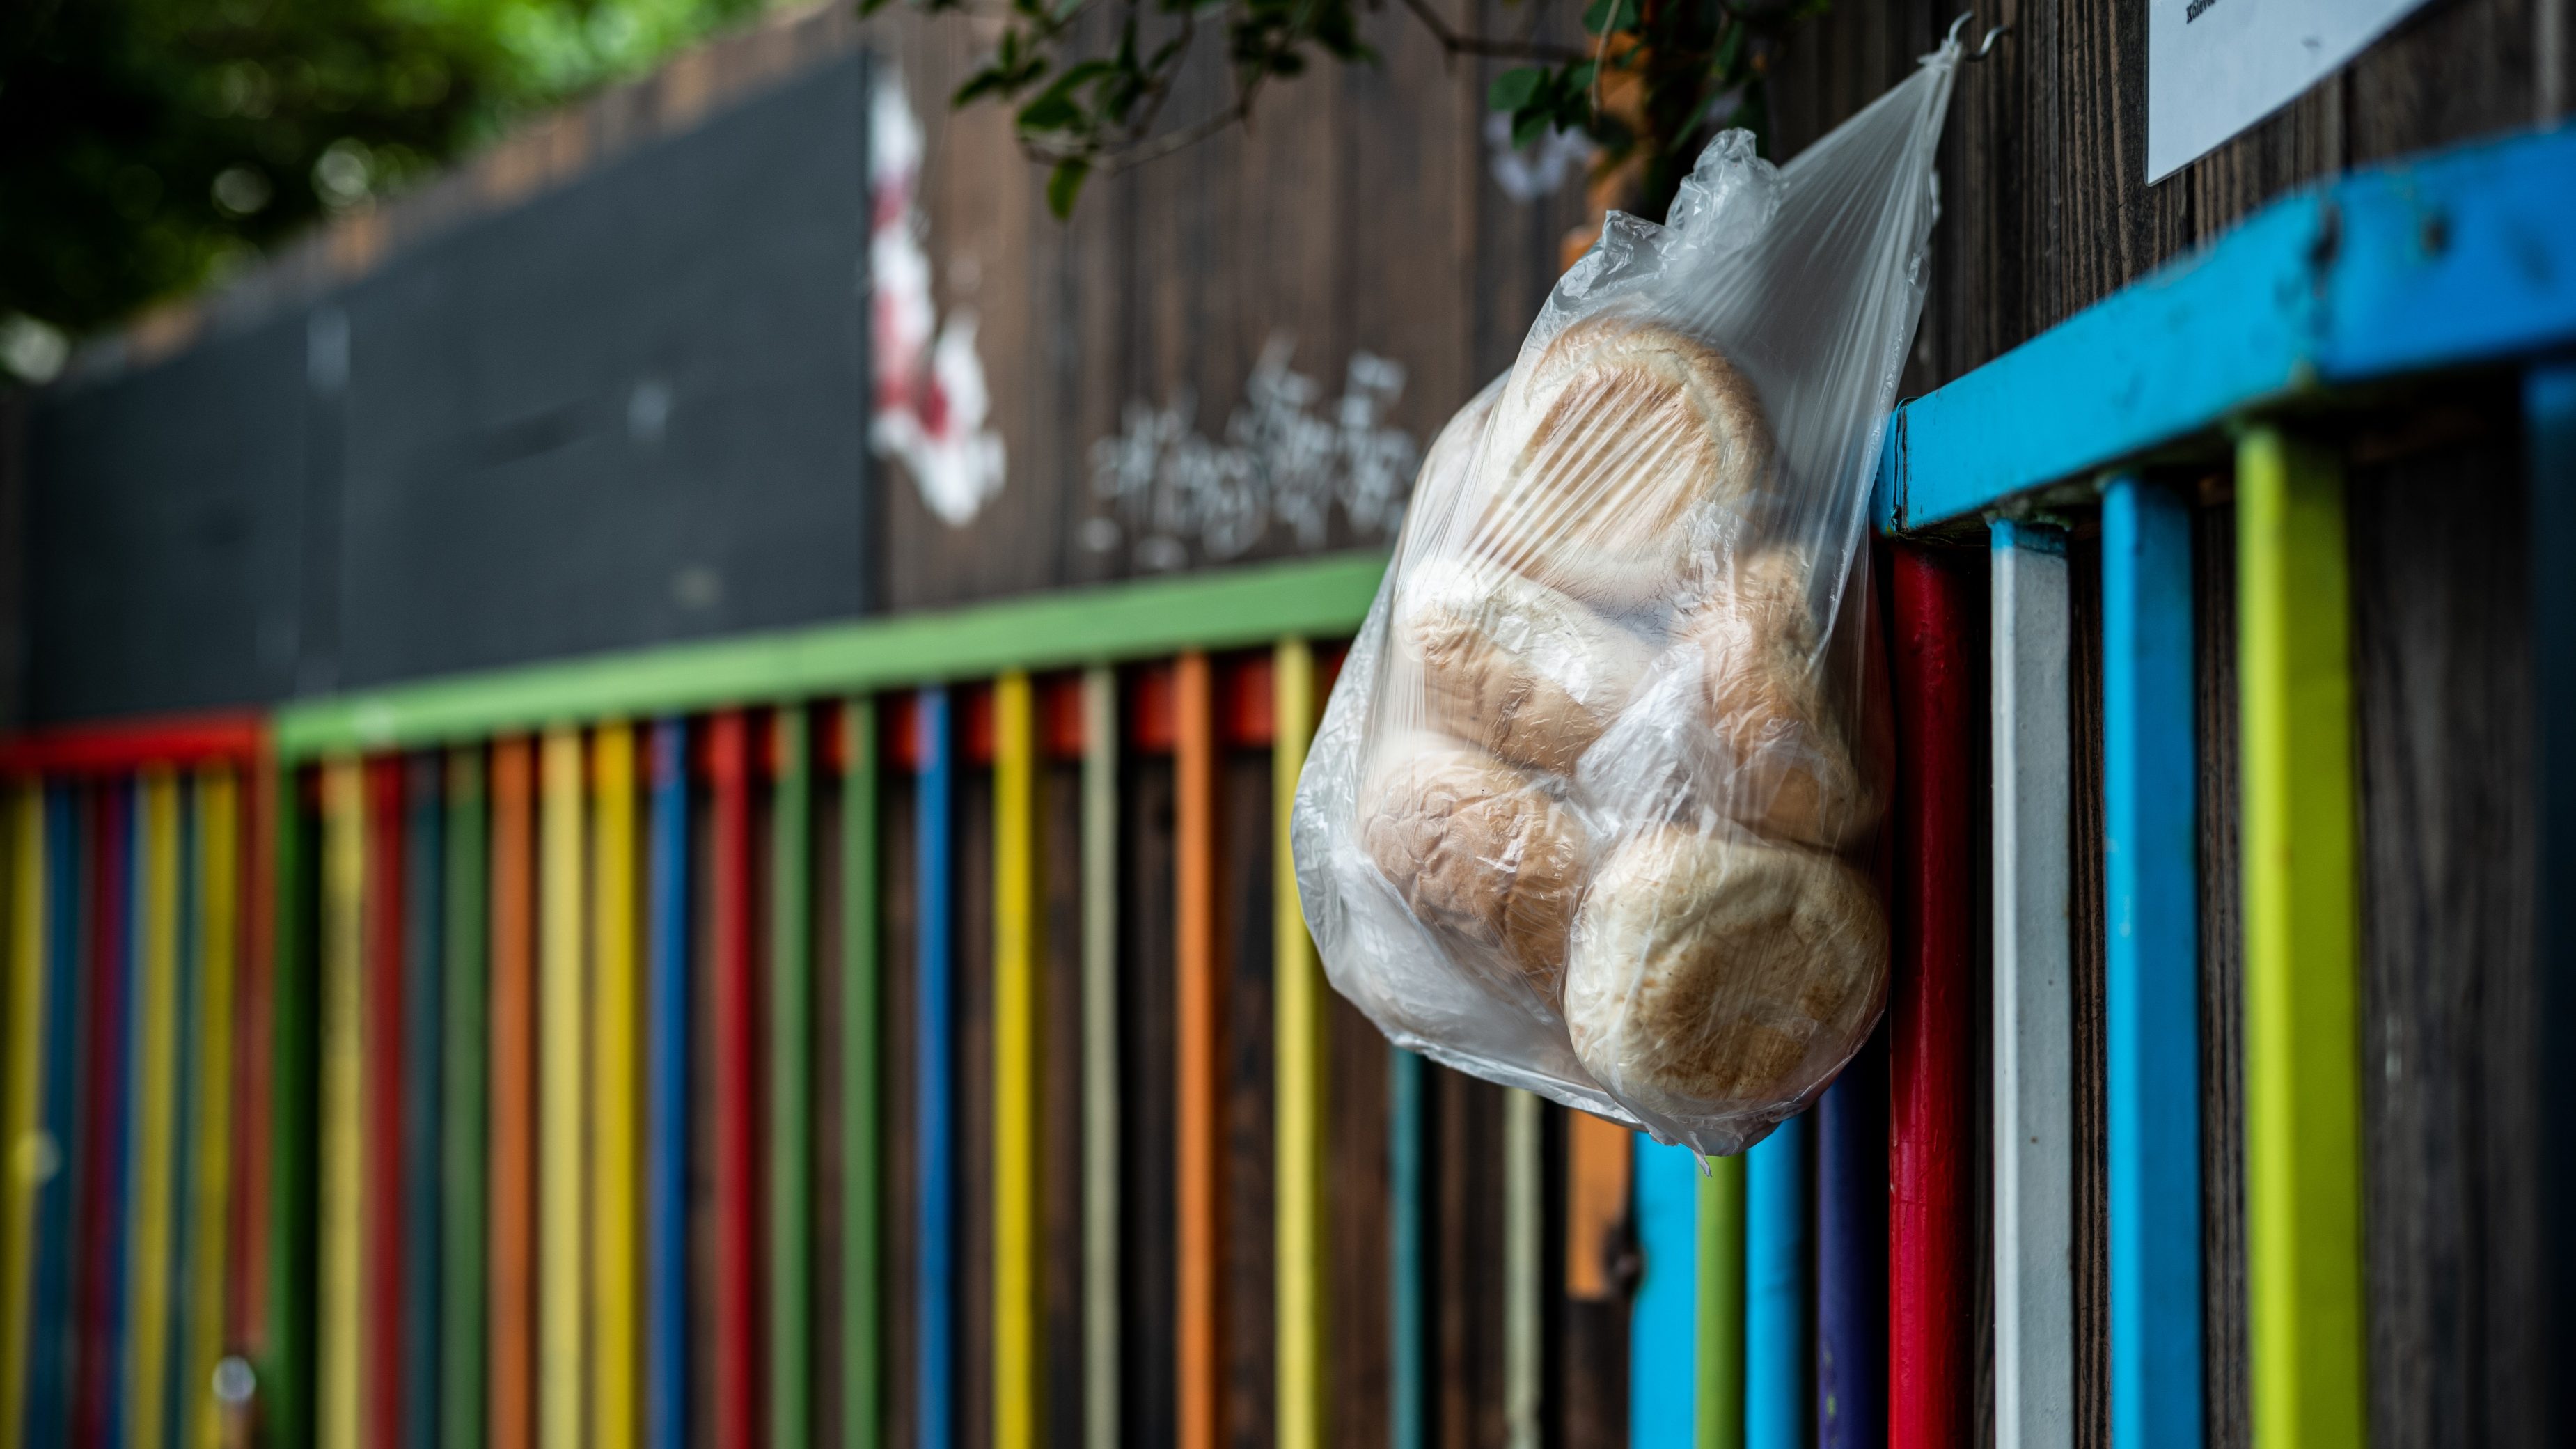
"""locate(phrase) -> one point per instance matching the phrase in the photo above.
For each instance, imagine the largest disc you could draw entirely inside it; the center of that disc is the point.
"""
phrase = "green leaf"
(1064, 184)
(1609, 16)
(1050, 112)
(1529, 127)
(988, 81)
(1515, 88)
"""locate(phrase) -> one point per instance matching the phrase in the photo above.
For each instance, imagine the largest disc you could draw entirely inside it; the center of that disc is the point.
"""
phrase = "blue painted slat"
(1663, 1322)
(2465, 256)
(49, 1323)
(1851, 1255)
(1407, 1396)
(2549, 424)
(934, 871)
(666, 1142)
(117, 1139)
(2151, 875)
(1777, 1411)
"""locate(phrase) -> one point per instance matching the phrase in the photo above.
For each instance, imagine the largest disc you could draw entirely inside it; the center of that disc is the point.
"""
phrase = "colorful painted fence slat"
(863, 1137)
(513, 1322)
(1777, 1174)
(464, 1300)
(343, 1051)
(215, 884)
(2302, 946)
(934, 988)
(1018, 1380)
(1939, 704)
(669, 1048)
(731, 1006)
(616, 1110)
(424, 1066)
(2034, 1030)
(1663, 1325)
(563, 1202)
(1101, 1403)
(23, 1147)
(788, 1045)
(2152, 982)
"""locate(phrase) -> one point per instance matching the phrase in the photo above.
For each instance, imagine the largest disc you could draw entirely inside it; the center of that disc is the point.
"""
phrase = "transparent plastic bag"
(1592, 806)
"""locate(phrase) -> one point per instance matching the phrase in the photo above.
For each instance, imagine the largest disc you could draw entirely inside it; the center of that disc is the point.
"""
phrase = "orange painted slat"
(511, 1386)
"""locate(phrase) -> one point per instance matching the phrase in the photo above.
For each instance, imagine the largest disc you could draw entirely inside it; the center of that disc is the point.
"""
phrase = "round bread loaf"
(1632, 445)
(1440, 487)
(1477, 849)
(1709, 971)
(1514, 666)
(1804, 766)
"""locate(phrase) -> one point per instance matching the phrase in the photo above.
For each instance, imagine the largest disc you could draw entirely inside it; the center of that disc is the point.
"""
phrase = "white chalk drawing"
(1280, 460)
(931, 403)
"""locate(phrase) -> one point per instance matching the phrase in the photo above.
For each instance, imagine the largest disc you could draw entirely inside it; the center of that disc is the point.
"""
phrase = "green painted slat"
(1253, 604)
(791, 1087)
(862, 1309)
(285, 1402)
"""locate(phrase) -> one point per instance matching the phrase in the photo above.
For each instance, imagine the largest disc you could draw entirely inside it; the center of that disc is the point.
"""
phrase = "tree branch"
(1456, 43)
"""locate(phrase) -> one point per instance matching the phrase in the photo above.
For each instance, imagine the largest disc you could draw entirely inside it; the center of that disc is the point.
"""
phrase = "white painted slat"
(2033, 997)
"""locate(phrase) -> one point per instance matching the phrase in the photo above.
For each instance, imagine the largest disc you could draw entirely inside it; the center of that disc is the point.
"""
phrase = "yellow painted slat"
(617, 1103)
(210, 1131)
(2302, 1024)
(156, 1089)
(1017, 1377)
(23, 1155)
(561, 1213)
(1297, 987)
(344, 880)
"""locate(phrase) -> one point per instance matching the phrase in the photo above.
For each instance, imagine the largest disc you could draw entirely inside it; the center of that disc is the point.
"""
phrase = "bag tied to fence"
(1593, 807)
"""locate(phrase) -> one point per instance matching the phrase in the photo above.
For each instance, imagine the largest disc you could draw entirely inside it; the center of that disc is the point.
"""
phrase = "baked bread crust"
(1479, 850)
(1806, 769)
(1641, 445)
(1710, 971)
(1514, 666)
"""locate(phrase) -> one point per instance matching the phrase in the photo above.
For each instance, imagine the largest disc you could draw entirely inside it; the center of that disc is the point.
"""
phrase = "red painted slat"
(1940, 629)
(734, 1017)
(380, 1002)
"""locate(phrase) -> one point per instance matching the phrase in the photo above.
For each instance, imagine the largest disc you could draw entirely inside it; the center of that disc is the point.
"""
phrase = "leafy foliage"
(1089, 78)
(153, 144)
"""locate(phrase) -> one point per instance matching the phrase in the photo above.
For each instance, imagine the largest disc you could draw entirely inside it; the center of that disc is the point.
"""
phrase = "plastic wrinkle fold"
(1592, 807)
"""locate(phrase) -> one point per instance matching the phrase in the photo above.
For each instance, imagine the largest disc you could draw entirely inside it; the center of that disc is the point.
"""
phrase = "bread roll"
(1633, 446)
(1708, 970)
(1477, 849)
(1514, 666)
(1804, 766)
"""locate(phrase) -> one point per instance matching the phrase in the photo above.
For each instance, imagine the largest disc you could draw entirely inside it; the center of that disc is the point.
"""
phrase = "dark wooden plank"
(1060, 1138)
(1147, 1388)
(899, 1099)
(2444, 685)
(1248, 1249)
(1356, 1228)
(2092, 1082)
(1465, 1125)
(2227, 1394)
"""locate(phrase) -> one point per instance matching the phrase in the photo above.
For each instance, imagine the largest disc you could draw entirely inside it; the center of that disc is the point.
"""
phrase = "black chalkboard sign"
(632, 409)
(164, 532)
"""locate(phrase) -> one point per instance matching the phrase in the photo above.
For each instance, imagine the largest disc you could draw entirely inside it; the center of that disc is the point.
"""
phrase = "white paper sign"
(2215, 67)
